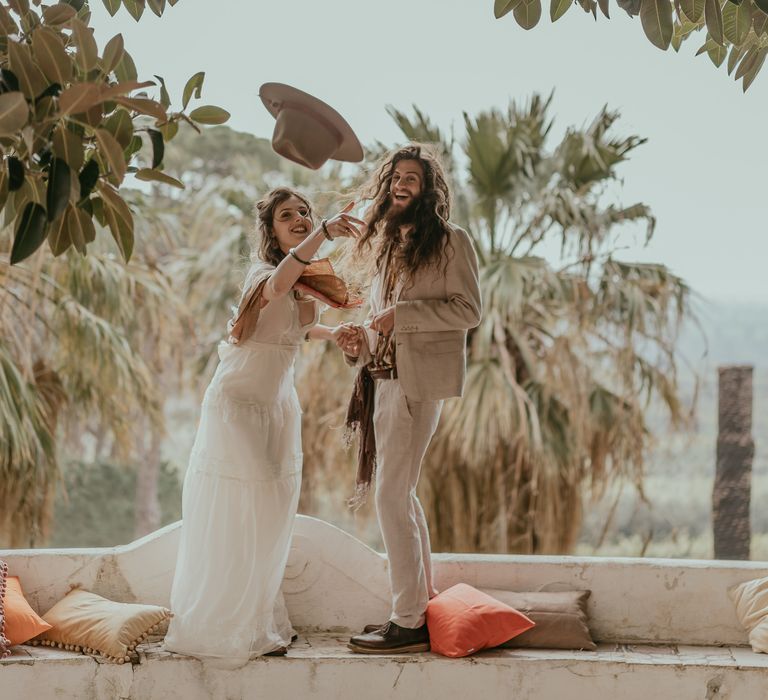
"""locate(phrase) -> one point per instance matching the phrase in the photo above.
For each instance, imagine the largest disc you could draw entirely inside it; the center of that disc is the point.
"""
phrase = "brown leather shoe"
(371, 628)
(391, 639)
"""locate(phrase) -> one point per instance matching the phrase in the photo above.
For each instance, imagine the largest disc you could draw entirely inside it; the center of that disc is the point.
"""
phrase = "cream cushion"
(751, 601)
(86, 621)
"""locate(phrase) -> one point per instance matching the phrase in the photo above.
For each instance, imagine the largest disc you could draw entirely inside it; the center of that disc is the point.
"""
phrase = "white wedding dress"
(240, 495)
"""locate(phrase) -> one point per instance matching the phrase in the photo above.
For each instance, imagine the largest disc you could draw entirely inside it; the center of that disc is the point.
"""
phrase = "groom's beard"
(395, 218)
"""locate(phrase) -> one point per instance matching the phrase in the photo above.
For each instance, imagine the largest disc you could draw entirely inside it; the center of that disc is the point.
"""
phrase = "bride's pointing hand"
(343, 225)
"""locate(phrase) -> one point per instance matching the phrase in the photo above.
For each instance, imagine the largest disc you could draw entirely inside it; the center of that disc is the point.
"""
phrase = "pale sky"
(703, 170)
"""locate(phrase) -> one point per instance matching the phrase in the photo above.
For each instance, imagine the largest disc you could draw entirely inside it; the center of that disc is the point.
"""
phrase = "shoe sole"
(409, 649)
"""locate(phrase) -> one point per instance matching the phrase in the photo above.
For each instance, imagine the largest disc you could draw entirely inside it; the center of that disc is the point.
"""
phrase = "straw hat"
(307, 130)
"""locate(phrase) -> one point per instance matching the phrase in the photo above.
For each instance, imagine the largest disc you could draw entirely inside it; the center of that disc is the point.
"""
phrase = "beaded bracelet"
(292, 252)
(324, 224)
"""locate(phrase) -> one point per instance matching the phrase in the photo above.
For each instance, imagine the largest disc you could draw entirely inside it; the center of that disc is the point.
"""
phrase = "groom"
(425, 295)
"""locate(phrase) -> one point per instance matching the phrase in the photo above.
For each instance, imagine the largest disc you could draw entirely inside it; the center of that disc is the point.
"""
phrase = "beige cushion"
(86, 621)
(751, 601)
(560, 617)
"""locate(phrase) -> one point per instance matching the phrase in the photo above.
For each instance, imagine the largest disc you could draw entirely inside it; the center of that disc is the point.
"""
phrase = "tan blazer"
(432, 316)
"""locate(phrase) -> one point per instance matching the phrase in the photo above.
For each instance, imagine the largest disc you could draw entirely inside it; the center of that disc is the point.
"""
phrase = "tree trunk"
(733, 475)
(147, 506)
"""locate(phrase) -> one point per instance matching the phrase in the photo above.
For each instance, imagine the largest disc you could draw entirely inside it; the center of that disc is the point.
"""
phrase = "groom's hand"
(348, 338)
(384, 321)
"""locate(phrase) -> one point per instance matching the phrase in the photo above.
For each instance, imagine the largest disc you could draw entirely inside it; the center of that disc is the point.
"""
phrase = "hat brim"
(273, 95)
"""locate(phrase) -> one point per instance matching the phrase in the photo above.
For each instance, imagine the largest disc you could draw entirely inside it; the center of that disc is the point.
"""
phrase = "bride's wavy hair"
(265, 246)
(429, 213)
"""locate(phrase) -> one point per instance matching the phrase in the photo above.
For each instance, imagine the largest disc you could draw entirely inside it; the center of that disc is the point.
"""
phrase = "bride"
(241, 489)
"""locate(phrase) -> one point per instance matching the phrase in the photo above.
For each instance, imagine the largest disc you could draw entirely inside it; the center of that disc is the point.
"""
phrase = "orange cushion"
(463, 620)
(21, 622)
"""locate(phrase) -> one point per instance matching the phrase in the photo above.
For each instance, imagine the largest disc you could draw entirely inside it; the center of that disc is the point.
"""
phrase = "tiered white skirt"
(240, 496)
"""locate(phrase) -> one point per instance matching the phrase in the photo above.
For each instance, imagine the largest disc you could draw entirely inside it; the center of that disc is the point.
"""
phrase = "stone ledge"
(320, 666)
(334, 582)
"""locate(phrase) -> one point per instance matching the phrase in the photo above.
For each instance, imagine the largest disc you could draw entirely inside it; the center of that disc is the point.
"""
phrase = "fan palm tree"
(76, 334)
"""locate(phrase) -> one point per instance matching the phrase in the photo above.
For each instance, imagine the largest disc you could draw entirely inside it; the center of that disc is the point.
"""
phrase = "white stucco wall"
(335, 582)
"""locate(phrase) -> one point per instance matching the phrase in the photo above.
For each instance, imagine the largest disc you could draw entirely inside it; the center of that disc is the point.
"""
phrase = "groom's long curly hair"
(429, 214)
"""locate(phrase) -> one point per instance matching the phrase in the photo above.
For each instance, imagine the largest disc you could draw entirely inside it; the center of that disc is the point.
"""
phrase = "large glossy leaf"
(503, 7)
(30, 232)
(113, 53)
(682, 31)
(58, 14)
(14, 113)
(51, 55)
(68, 146)
(59, 238)
(123, 88)
(57, 194)
(133, 147)
(558, 8)
(760, 21)
(87, 52)
(194, 85)
(135, 8)
(754, 69)
(749, 60)
(165, 98)
(210, 114)
(125, 70)
(734, 56)
(15, 173)
(692, 9)
(3, 188)
(158, 147)
(20, 7)
(150, 175)
(143, 105)
(120, 125)
(528, 13)
(112, 153)
(656, 18)
(81, 228)
(112, 6)
(7, 24)
(79, 97)
(157, 6)
(20, 62)
(169, 130)
(714, 17)
(715, 51)
(89, 176)
(119, 220)
(737, 21)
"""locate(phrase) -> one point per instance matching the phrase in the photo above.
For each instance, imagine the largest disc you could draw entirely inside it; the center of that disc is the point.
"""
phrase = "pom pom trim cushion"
(4, 643)
(84, 621)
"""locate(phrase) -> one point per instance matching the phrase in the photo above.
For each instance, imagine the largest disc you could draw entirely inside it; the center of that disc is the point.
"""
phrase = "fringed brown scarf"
(242, 326)
(360, 420)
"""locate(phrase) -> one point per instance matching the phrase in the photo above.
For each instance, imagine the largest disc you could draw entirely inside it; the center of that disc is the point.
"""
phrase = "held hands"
(384, 321)
(343, 225)
(348, 338)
